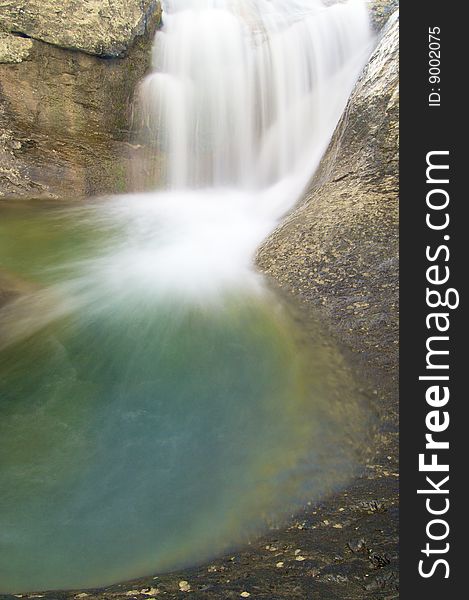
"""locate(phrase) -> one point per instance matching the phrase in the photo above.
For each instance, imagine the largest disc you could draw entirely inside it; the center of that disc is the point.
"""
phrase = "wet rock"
(13, 176)
(381, 11)
(12, 287)
(385, 581)
(65, 118)
(357, 545)
(379, 560)
(349, 220)
(101, 27)
(373, 506)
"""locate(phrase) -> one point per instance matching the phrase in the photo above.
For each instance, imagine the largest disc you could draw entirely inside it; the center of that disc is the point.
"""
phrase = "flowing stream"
(159, 405)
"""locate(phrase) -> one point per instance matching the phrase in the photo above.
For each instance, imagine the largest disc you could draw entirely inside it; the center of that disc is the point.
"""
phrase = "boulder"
(101, 27)
(65, 115)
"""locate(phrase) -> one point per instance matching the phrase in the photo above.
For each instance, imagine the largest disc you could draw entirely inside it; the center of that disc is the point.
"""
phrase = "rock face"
(101, 27)
(381, 10)
(14, 49)
(65, 114)
(339, 248)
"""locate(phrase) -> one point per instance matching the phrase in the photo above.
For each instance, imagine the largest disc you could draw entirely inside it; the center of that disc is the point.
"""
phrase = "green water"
(140, 433)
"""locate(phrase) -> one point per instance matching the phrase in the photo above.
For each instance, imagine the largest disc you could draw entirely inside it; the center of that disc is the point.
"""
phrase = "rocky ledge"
(64, 111)
(102, 27)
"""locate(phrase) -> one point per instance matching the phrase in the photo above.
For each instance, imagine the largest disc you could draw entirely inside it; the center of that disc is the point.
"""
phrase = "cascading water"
(157, 405)
(245, 93)
(241, 103)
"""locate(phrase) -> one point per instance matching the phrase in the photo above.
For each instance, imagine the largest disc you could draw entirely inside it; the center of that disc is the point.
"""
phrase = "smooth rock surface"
(102, 27)
(339, 248)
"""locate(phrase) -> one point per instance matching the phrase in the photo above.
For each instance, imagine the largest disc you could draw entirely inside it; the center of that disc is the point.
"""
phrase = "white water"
(241, 103)
(166, 434)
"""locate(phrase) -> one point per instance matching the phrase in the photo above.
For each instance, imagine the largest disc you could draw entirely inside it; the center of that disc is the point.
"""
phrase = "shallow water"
(140, 432)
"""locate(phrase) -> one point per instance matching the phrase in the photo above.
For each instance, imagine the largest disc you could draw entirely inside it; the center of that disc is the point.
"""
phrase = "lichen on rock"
(14, 49)
(381, 11)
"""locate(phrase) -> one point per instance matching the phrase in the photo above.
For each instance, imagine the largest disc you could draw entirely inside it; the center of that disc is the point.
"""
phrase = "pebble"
(184, 586)
(357, 545)
(279, 565)
(245, 594)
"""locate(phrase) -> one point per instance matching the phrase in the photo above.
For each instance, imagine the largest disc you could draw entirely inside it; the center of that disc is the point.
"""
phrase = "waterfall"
(160, 406)
(241, 103)
(245, 93)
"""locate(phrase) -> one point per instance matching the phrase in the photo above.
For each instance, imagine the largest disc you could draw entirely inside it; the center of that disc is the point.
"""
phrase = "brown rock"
(102, 27)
